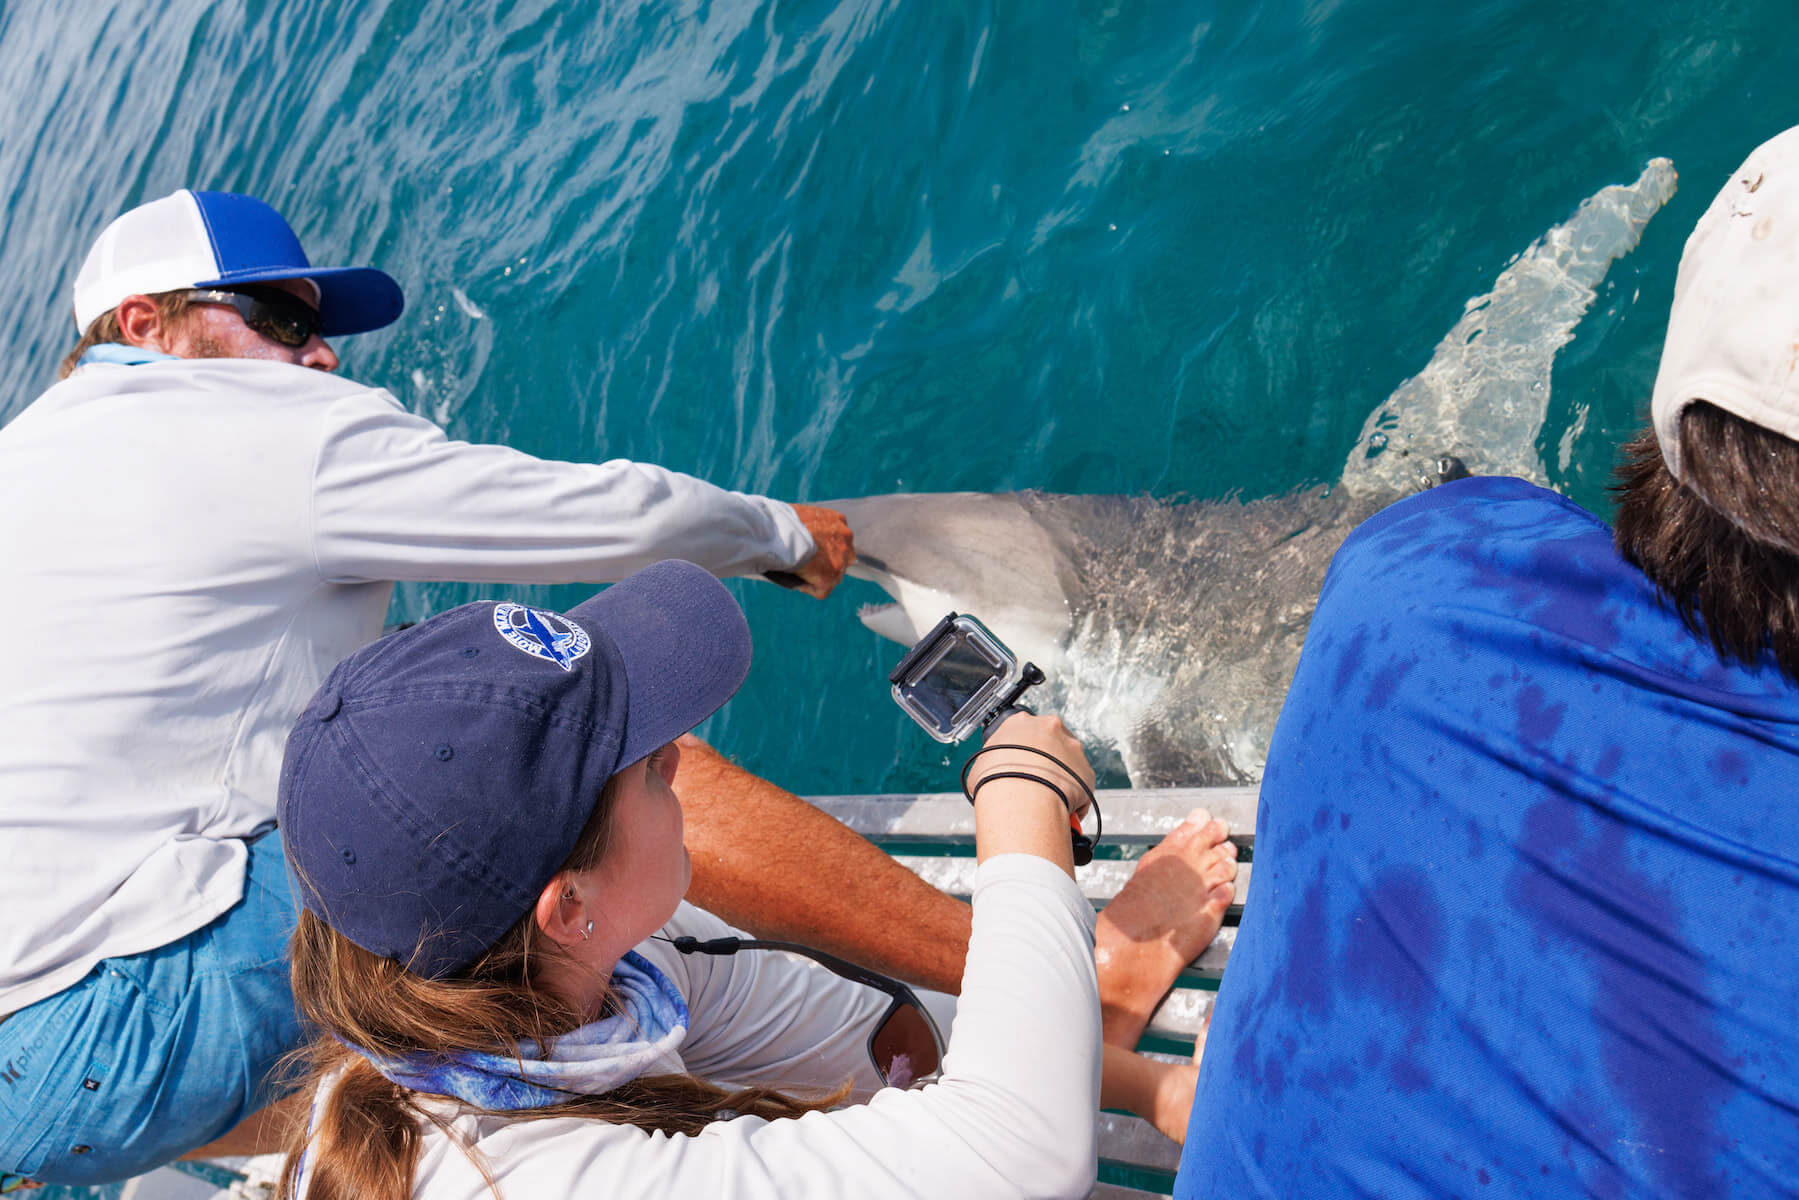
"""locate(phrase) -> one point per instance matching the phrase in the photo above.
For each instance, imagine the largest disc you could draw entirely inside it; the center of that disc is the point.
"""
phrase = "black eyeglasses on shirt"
(905, 1046)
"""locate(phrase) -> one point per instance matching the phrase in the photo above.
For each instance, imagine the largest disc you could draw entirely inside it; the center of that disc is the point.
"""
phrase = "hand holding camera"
(959, 678)
(1028, 747)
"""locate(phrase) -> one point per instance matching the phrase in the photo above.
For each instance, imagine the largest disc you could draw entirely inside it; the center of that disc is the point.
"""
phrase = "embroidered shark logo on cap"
(542, 634)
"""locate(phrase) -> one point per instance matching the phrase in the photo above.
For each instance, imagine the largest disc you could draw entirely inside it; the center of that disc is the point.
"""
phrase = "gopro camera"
(958, 678)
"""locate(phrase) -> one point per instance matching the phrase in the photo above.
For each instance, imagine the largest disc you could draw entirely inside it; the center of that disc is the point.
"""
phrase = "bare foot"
(1160, 921)
(1159, 1092)
(1174, 1100)
(1175, 1089)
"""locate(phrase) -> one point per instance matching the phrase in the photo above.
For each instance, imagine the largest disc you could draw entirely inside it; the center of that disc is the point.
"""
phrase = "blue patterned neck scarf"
(641, 1037)
(121, 355)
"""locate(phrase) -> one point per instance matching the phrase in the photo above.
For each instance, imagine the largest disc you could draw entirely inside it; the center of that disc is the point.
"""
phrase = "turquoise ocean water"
(822, 249)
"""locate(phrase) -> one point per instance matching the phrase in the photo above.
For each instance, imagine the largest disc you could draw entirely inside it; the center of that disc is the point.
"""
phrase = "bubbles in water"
(1109, 684)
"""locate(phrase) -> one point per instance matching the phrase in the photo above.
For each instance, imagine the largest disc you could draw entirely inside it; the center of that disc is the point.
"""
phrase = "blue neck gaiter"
(120, 355)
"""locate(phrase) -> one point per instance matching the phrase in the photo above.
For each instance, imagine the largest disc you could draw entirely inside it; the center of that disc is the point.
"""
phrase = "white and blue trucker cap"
(218, 239)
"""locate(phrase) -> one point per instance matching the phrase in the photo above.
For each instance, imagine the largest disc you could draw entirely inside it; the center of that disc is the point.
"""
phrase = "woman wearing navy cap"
(478, 817)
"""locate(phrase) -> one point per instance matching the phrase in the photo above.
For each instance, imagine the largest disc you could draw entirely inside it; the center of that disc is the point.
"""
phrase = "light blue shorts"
(154, 1054)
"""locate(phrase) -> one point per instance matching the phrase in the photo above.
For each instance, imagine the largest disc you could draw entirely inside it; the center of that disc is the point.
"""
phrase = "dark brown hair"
(365, 1140)
(1722, 544)
(104, 328)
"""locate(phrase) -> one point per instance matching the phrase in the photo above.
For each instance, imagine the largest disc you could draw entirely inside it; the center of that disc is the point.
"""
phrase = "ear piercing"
(587, 931)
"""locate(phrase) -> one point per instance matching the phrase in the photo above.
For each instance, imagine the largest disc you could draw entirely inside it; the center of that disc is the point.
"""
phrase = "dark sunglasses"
(905, 1046)
(277, 315)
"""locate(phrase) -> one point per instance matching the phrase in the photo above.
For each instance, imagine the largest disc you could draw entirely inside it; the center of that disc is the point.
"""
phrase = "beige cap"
(1733, 333)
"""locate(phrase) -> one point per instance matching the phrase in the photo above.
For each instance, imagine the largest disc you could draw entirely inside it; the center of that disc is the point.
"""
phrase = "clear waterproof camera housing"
(957, 677)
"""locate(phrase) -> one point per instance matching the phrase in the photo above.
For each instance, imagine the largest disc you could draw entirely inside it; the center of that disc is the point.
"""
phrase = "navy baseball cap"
(219, 239)
(441, 775)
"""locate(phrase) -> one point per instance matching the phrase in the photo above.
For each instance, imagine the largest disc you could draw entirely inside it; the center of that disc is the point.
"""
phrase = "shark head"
(968, 552)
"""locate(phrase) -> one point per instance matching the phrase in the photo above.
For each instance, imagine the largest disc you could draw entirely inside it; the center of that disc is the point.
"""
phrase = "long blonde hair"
(365, 1139)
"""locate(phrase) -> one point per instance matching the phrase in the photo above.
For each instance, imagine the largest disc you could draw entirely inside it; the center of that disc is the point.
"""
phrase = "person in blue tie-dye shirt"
(1527, 883)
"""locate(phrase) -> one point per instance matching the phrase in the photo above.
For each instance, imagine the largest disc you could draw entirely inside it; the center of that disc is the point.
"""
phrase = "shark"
(1169, 631)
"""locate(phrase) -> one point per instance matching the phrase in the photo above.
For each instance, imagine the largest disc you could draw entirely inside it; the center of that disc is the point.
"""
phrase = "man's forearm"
(768, 862)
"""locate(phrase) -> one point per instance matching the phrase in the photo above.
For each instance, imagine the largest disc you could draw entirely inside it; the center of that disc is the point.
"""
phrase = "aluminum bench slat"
(908, 821)
(1131, 1142)
(1183, 1014)
(1099, 880)
(1130, 813)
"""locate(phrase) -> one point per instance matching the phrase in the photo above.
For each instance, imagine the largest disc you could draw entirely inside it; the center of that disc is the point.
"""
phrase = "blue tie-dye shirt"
(1525, 911)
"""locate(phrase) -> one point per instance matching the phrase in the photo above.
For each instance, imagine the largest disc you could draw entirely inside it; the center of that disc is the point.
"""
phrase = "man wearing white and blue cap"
(230, 246)
(193, 532)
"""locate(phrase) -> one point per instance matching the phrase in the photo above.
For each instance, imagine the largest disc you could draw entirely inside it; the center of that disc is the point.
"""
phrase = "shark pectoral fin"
(891, 622)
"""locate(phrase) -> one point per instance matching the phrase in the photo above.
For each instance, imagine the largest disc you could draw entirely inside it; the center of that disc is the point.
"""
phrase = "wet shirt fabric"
(1526, 904)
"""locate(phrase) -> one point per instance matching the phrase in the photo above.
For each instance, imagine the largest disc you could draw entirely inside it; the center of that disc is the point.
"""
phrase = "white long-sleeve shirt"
(1013, 1114)
(186, 548)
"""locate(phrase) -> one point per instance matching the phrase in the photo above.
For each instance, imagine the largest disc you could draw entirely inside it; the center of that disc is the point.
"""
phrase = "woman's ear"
(560, 914)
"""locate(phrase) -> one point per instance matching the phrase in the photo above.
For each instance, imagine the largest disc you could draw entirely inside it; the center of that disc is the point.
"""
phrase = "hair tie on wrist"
(1083, 845)
(1092, 800)
(1028, 778)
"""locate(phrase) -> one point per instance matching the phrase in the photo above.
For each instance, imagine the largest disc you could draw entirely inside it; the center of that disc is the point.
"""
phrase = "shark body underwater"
(1171, 630)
